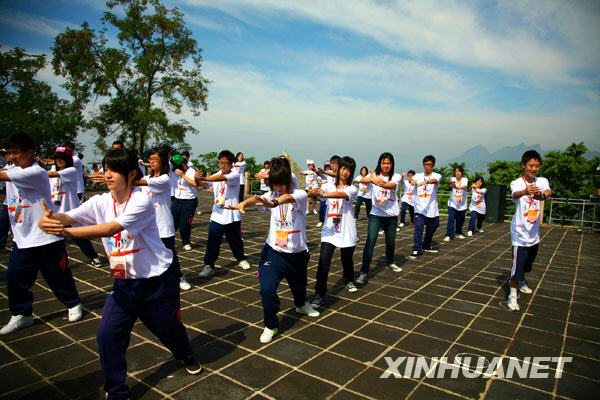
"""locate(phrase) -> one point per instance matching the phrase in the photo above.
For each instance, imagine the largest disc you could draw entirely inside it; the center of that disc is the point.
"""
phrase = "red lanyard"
(115, 203)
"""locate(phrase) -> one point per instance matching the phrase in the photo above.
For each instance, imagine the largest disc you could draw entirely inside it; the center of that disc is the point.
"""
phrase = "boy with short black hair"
(33, 250)
(528, 192)
(223, 220)
(427, 213)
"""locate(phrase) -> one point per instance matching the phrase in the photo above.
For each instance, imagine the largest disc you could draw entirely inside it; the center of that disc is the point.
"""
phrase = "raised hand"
(198, 174)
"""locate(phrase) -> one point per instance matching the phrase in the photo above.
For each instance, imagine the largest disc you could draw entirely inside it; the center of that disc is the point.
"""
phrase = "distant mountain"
(477, 158)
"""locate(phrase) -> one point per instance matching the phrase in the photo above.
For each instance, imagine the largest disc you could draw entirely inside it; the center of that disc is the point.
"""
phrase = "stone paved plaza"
(441, 305)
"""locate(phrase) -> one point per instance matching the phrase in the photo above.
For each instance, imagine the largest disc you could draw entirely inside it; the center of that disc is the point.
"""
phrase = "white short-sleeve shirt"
(185, 191)
(458, 197)
(478, 201)
(385, 201)
(340, 227)
(63, 190)
(310, 178)
(364, 189)
(525, 226)
(28, 187)
(146, 254)
(409, 192)
(290, 217)
(239, 167)
(79, 167)
(159, 193)
(226, 194)
(426, 198)
(263, 185)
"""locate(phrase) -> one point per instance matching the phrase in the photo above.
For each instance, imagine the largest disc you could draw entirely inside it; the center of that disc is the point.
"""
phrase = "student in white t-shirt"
(364, 193)
(263, 175)
(223, 221)
(528, 192)
(63, 192)
(408, 198)
(427, 213)
(457, 204)
(326, 175)
(146, 284)
(157, 186)
(240, 166)
(311, 181)
(477, 206)
(285, 254)
(339, 229)
(4, 220)
(384, 214)
(27, 185)
(184, 205)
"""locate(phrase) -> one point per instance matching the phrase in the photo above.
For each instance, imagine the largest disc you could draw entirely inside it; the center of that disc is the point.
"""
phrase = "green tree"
(504, 172)
(156, 61)
(29, 105)
(207, 162)
(569, 173)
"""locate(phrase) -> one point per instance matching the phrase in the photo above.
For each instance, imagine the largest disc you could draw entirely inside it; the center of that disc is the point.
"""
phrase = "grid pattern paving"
(440, 305)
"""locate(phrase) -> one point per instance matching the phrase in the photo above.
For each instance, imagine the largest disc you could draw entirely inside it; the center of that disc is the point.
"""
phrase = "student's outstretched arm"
(318, 192)
(186, 178)
(59, 225)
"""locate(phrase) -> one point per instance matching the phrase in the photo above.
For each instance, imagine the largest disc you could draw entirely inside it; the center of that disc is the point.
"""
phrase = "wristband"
(275, 203)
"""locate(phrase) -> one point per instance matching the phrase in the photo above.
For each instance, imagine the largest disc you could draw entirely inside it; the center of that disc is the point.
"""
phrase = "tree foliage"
(29, 105)
(569, 173)
(154, 70)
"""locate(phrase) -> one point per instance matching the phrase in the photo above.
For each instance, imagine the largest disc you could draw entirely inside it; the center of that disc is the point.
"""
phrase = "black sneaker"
(317, 301)
(415, 254)
(192, 366)
(430, 250)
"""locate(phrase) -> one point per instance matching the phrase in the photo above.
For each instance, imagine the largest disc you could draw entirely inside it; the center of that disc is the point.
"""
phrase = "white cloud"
(32, 23)
(450, 30)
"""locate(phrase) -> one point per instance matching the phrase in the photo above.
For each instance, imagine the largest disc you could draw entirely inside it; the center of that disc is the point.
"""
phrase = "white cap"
(308, 162)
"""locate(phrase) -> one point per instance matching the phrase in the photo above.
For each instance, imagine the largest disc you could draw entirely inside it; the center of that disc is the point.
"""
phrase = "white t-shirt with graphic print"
(525, 225)
(385, 201)
(458, 197)
(426, 195)
(340, 227)
(146, 255)
(290, 218)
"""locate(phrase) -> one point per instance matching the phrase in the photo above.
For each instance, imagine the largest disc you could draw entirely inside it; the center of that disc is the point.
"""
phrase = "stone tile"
(255, 371)
(426, 392)
(54, 362)
(30, 346)
(288, 351)
(439, 330)
(423, 345)
(333, 367)
(300, 386)
(17, 375)
(217, 354)
(213, 387)
(391, 388)
(318, 335)
(359, 349)
(342, 322)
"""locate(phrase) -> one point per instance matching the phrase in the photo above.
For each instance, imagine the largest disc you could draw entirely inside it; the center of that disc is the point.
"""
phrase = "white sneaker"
(75, 313)
(513, 304)
(16, 322)
(96, 262)
(268, 334)
(523, 288)
(198, 212)
(244, 264)
(351, 287)
(447, 239)
(362, 278)
(470, 233)
(183, 284)
(480, 230)
(307, 309)
(206, 271)
(320, 224)
(381, 232)
(315, 212)
(401, 225)
(461, 236)
(394, 268)
(187, 247)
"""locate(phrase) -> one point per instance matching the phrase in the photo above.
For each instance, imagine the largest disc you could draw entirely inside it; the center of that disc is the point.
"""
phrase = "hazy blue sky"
(361, 77)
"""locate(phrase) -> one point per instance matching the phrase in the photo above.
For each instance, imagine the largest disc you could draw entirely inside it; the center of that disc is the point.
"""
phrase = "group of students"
(137, 229)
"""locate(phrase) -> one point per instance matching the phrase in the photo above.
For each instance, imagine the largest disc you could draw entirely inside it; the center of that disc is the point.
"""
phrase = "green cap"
(177, 159)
